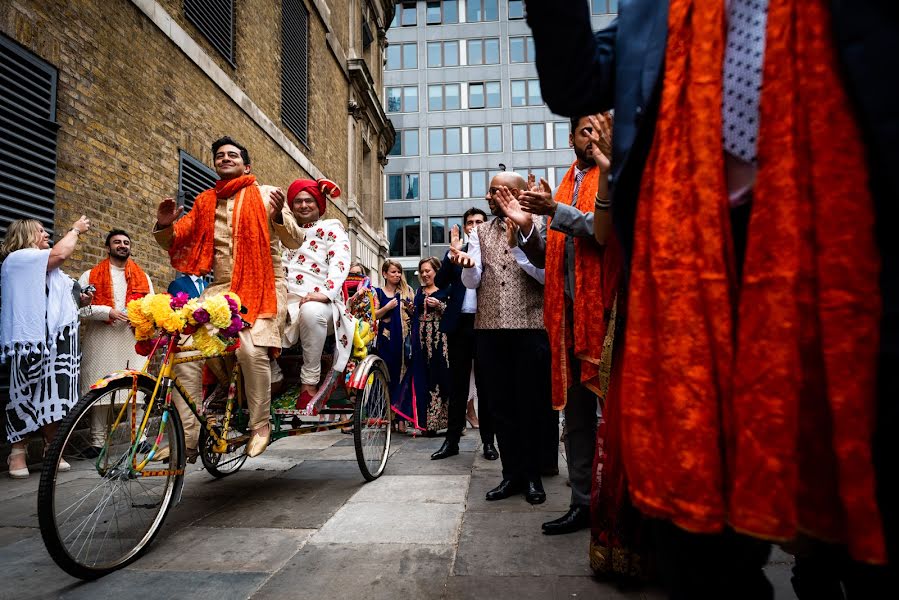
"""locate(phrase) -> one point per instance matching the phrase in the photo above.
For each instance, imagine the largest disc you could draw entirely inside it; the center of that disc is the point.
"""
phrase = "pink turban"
(320, 189)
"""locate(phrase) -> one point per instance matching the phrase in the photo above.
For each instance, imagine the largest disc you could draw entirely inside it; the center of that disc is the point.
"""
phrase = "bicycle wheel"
(371, 422)
(105, 519)
(222, 464)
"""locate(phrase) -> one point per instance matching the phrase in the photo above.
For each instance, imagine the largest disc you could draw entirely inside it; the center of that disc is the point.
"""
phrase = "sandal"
(17, 473)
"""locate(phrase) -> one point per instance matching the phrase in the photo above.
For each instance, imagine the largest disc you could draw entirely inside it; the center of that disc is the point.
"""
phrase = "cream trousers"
(314, 323)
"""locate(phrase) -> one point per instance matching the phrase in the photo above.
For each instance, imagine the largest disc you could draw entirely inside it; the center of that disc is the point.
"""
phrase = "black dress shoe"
(534, 493)
(446, 450)
(505, 489)
(490, 452)
(577, 518)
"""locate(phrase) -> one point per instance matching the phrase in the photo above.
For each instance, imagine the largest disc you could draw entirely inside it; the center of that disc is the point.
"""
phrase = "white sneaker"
(63, 466)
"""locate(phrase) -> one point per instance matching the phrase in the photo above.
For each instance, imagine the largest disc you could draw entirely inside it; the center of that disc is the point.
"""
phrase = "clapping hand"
(600, 134)
(276, 204)
(538, 200)
(511, 233)
(510, 207)
(456, 256)
(168, 212)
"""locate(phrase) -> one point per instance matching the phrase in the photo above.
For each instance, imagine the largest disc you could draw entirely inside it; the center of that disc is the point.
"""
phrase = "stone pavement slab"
(418, 462)
(389, 523)
(558, 496)
(412, 489)
(327, 469)
(154, 585)
(536, 588)
(370, 571)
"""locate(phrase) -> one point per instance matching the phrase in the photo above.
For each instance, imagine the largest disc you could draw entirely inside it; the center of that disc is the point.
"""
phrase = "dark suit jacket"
(449, 278)
(183, 284)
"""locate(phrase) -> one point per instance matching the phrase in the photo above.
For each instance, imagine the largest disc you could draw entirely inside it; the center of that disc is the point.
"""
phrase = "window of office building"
(561, 129)
(445, 141)
(402, 56)
(537, 172)
(481, 10)
(484, 94)
(478, 181)
(445, 186)
(516, 9)
(604, 7)
(526, 92)
(521, 49)
(528, 136)
(406, 143)
(441, 227)
(560, 174)
(439, 13)
(483, 52)
(404, 15)
(485, 139)
(444, 96)
(402, 99)
(215, 20)
(404, 236)
(402, 186)
(443, 54)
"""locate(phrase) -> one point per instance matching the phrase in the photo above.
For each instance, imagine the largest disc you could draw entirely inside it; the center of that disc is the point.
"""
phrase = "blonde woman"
(38, 333)
(393, 315)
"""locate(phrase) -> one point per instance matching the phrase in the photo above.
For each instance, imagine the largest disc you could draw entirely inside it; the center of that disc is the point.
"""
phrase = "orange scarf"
(101, 278)
(252, 277)
(593, 285)
(751, 403)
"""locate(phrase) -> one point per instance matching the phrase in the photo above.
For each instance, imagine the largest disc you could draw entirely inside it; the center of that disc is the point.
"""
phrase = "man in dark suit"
(192, 285)
(458, 325)
(621, 68)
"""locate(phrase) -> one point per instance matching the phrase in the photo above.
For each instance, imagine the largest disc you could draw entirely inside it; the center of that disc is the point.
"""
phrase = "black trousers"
(461, 347)
(515, 366)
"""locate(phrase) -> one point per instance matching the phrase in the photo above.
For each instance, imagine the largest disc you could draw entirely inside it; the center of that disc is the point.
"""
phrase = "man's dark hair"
(116, 232)
(227, 141)
(574, 121)
(473, 211)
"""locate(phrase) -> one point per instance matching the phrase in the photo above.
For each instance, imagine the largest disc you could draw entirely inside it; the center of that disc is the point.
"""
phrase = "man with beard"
(249, 265)
(108, 344)
(575, 321)
(510, 342)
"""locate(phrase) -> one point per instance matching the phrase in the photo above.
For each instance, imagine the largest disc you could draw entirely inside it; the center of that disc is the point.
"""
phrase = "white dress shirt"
(471, 277)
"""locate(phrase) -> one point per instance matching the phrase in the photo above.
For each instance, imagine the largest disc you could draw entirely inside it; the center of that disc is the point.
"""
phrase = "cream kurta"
(107, 347)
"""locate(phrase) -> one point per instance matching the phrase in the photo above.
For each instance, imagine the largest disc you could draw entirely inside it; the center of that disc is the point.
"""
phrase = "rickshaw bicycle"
(95, 525)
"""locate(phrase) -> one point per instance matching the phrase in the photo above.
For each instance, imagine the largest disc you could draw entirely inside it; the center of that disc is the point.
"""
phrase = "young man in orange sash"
(574, 311)
(749, 379)
(107, 343)
(234, 232)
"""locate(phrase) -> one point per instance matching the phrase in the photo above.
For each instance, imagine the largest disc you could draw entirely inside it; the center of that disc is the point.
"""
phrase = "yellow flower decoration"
(219, 311)
(173, 322)
(207, 344)
(188, 310)
(136, 314)
(160, 307)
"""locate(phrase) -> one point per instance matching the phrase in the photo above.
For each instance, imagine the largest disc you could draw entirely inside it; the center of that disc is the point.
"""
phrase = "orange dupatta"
(252, 277)
(751, 403)
(101, 279)
(596, 280)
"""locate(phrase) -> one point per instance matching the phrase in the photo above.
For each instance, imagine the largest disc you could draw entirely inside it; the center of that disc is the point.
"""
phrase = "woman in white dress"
(38, 333)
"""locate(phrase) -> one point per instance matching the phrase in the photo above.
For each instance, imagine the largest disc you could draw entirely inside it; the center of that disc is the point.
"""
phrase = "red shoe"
(304, 400)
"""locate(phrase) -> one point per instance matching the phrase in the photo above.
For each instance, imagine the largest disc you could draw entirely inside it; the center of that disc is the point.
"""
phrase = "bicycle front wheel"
(106, 515)
(371, 422)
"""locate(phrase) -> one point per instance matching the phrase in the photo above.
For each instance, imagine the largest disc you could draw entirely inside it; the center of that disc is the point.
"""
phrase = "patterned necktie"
(578, 177)
(743, 59)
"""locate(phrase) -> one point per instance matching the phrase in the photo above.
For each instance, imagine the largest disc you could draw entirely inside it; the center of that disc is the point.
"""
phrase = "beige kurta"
(268, 331)
(107, 347)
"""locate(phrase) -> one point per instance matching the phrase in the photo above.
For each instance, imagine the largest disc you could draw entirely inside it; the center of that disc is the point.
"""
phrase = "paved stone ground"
(299, 522)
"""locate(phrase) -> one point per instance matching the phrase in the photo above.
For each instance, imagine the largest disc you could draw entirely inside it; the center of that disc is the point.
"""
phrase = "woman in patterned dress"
(38, 334)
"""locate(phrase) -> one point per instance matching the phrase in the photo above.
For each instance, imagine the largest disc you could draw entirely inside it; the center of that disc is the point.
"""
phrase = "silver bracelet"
(601, 204)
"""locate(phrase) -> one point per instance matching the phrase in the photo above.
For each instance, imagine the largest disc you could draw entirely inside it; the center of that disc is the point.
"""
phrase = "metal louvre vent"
(193, 178)
(215, 20)
(295, 68)
(28, 139)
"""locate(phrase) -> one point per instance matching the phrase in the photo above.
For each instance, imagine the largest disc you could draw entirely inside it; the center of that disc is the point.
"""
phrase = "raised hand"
(276, 204)
(82, 225)
(510, 207)
(168, 212)
(600, 134)
(532, 182)
(539, 200)
(511, 233)
(455, 238)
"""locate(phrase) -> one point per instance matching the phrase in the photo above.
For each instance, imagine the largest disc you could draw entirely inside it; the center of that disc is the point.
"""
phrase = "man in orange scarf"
(107, 343)
(573, 308)
(749, 381)
(233, 231)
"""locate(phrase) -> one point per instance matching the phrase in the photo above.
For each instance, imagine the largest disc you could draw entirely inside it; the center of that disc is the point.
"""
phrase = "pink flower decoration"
(234, 328)
(233, 304)
(201, 316)
(179, 300)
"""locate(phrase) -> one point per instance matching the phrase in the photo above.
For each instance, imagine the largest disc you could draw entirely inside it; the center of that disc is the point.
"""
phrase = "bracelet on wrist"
(601, 204)
(77, 231)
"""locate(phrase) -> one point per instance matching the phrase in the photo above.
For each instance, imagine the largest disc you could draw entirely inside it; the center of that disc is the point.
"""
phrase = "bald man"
(511, 347)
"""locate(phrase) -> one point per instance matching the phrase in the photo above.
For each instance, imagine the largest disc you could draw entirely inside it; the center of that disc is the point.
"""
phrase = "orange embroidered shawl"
(101, 278)
(751, 403)
(252, 277)
(596, 279)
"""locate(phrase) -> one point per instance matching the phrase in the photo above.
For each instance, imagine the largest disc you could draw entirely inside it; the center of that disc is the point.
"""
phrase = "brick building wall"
(129, 98)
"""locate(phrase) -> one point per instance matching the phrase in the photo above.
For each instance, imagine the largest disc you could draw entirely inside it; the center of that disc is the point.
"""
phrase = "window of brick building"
(193, 177)
(215, 20)
(295, 68)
